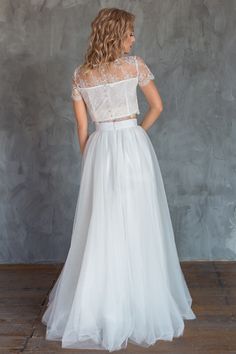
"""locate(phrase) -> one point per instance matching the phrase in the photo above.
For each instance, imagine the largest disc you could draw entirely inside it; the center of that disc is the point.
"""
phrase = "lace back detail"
(121, 69)
(110, 90)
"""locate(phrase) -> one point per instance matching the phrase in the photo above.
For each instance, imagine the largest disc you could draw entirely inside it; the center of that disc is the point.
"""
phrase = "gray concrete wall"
(190, 45)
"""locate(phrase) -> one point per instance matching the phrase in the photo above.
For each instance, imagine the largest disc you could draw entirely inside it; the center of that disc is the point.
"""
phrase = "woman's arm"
(81, 122)
(155, 104)
(147, 85)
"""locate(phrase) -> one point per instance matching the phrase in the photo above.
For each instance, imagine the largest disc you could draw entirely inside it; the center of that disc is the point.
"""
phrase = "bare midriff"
(122, 118)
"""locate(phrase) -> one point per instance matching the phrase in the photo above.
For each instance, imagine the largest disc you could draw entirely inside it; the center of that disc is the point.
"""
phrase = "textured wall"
(190, 45)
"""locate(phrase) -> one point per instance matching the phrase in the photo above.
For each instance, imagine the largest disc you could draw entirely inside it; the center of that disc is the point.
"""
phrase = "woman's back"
(111, 93)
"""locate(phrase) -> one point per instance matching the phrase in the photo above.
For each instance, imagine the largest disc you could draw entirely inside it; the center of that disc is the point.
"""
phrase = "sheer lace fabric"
(111, 92)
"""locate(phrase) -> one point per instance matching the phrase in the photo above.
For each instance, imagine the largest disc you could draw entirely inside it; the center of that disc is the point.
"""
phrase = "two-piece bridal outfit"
(121, 281)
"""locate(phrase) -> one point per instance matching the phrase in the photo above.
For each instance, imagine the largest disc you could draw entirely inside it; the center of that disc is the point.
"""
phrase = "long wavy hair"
(109, 29)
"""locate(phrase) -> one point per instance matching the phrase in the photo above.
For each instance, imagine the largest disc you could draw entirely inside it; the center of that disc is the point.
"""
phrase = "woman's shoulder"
(139, 59)
(76, 76)
(135, 60)
(77, 69)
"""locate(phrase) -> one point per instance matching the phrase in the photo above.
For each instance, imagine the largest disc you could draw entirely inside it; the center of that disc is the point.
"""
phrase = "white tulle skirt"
(122, 280)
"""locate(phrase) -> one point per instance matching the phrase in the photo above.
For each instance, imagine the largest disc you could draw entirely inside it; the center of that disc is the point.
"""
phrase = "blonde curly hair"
(109, 29)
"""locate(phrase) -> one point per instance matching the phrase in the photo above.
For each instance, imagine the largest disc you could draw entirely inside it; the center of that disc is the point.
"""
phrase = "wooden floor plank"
(24, 293)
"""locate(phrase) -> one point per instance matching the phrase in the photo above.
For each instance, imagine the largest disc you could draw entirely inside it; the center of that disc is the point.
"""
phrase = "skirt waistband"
(116, 124)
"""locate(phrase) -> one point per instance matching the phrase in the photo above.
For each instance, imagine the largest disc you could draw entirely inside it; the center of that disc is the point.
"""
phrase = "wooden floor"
(23, 297)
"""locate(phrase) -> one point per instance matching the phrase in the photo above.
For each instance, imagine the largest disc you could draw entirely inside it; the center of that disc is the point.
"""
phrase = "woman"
(122, 279)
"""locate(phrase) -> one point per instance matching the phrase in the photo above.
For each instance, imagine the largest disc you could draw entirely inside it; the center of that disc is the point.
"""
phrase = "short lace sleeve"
(75, 93)
(144, 73)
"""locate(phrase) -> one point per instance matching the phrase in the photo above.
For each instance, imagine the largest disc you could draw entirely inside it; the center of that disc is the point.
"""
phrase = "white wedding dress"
(122, 281)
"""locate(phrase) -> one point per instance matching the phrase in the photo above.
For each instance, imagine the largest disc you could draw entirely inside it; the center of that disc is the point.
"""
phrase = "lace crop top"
(111, 94)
